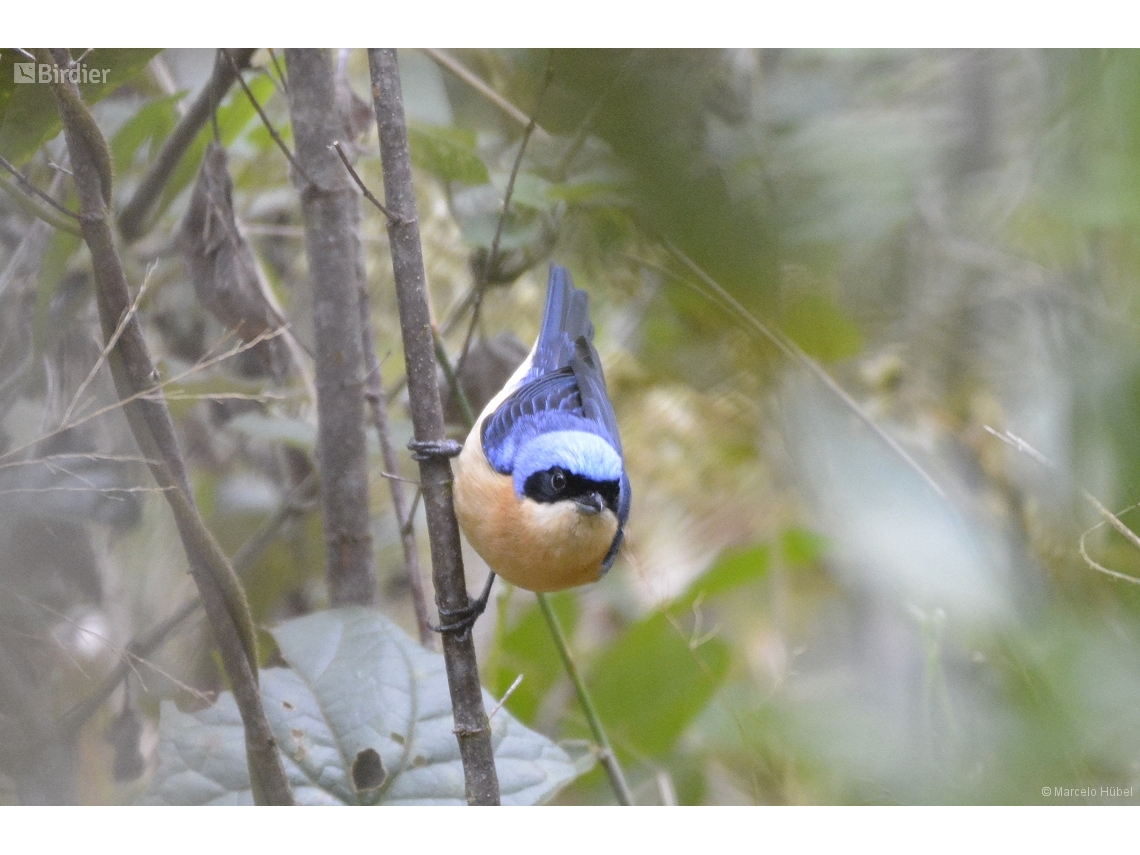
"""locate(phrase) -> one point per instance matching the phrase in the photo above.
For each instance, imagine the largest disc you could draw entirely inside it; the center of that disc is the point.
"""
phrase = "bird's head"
(570, 466)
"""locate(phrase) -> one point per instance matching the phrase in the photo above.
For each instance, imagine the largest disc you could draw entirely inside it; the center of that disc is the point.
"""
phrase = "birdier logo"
(45, 72)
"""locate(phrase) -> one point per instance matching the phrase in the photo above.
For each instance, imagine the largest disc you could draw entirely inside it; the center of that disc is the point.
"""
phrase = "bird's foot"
(427, 449)
(459, 621)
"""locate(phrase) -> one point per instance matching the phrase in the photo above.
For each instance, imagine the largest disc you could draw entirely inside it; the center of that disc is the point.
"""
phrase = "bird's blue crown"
(585, 454)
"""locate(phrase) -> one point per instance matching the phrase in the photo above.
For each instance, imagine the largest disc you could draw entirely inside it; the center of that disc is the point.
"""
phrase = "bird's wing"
(591, 383)
(527, 412)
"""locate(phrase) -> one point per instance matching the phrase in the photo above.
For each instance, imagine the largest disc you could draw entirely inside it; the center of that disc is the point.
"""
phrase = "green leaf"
(153, 122)
(28, 116)
(660, 674)
(592, 193)
(448, 153)
(528, 191)
(527, 649)
(518, 231)
(603, 185)
(650, 684)
(734, 567)
(800, 547)
(362, 716)
(821, 328)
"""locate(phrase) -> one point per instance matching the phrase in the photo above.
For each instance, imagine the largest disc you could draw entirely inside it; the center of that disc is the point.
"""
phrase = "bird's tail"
(566, 318)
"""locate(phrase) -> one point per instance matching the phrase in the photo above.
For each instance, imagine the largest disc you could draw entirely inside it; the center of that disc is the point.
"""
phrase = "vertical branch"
(134, 374)
(133, 216)
(378, 403)
(471, 725)
(331, 209)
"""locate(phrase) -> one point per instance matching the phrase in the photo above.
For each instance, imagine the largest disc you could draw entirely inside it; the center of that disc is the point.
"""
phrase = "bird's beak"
(590, 504)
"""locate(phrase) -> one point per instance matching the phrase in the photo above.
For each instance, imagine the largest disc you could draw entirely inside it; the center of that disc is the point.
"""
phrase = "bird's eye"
(558, 480)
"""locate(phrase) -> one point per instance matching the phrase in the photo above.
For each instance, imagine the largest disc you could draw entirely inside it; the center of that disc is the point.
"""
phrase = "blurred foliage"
(799, 617)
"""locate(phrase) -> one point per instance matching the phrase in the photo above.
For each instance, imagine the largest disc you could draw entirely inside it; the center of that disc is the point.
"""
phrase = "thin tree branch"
(360, 183)
(132, 218)
(284, 83)
(264, 118)
(472, 729)
(330, 208)
(479, 85)
(403, 509)
(133, 371)
(111, 342)
(47, 215)
(29, 187)
(1013, 440)
(481, 286)
(606, 754)
(457, 394)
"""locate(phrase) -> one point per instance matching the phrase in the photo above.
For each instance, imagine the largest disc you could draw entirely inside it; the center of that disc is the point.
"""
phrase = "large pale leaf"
(362, 716)
(653, 681)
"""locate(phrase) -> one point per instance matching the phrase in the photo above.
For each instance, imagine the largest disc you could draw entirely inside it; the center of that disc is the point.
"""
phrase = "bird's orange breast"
(537, 546)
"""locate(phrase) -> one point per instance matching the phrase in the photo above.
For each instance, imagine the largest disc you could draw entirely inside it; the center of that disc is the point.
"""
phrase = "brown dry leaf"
(222, 265)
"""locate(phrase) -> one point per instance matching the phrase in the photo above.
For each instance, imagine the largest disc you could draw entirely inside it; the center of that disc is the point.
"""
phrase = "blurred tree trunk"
(331, 209)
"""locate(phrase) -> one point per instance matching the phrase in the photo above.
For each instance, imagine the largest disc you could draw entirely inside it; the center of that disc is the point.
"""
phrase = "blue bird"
(540, 487)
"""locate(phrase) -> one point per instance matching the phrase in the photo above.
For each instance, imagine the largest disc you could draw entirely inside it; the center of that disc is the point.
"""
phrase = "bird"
(541, 490)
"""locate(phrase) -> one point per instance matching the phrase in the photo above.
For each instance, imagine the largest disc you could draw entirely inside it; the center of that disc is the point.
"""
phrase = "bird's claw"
(459, 621)
(427, 449)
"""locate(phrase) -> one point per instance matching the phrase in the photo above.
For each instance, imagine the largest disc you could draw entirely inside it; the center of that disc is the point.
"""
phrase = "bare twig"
(36, 191)
(481, 287)
(457, 394)
(472, 728)
(133, 216)
(152, 391)
(133, 371)
(330, 208)
(111, 342)
(360, 183)
(477, 83)
(46, 215)
(403, 509)
(1013, 440)
(280, 70)
(264, 118)
(506, 696)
